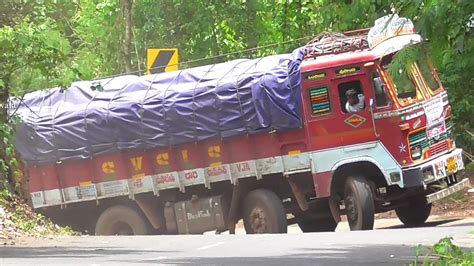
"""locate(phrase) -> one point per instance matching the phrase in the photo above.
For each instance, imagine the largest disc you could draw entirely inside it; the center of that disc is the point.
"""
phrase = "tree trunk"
(127, 40)
(251, 36)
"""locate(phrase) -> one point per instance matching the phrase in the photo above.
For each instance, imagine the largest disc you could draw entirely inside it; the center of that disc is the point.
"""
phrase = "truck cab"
(399, 136)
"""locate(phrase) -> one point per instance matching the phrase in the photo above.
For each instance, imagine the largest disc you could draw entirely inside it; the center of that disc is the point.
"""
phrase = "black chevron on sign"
(161, 61)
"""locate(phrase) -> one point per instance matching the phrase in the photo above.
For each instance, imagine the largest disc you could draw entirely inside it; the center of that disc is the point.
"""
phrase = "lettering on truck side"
(137, 163)
(199, 214)
(165, 178)
(243, 167)
(108, 167)
(162, 159)
(191, 175)
(216, 171)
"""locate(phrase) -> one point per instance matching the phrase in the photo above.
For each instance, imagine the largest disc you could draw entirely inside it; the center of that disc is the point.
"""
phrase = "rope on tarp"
(89, 145)
(194, 102)
(217, 104)
(291, 72)
(238, 94)
(142, 110)
(167, 134)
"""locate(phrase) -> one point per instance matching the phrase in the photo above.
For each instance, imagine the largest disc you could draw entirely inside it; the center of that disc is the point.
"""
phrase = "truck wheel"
(415, 213)
(263, 213)
(359, 203)
(121, 220)
(320, 225)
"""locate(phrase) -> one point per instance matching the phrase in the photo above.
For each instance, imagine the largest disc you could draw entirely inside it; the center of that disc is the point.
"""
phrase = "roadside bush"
(445, 252)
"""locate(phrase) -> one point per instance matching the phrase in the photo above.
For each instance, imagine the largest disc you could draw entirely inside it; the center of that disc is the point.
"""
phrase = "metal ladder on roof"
(336, 43)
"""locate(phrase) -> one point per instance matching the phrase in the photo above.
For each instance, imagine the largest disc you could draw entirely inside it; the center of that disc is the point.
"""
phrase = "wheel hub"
(122, 229)
(258, 221)
(351, 211)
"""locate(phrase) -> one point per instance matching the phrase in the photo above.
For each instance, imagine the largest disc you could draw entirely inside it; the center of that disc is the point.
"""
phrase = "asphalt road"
(391, 244)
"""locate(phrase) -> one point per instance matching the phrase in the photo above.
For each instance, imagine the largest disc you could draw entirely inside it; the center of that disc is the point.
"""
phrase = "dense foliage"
(50, 43)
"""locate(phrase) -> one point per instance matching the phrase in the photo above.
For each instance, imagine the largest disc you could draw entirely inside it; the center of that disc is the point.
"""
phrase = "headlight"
(415, 152)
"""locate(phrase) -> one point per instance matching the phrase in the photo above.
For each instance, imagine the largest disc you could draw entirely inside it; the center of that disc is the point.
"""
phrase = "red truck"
(369, 142)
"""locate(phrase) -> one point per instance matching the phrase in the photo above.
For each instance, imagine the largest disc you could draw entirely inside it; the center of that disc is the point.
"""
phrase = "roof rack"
(336, 43)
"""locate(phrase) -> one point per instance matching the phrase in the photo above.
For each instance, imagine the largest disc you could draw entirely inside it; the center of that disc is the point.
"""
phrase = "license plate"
(452, 165)
(440, 169)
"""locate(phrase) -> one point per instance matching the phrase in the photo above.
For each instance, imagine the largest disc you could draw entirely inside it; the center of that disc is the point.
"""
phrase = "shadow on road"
(368, 255)
(70, 252)
(430, 224)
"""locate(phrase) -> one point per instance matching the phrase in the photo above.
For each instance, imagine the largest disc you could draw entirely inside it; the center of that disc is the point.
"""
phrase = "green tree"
(34, 55)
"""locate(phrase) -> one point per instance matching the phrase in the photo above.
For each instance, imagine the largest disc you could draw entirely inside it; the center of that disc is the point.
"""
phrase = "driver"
(355, 102)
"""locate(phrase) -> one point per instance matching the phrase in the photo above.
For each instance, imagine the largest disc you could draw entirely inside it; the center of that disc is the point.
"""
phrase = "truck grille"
(435, 146)
(438, 147)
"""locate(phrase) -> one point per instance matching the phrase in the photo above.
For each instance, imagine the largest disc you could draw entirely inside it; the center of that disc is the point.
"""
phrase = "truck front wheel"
(263, 213)
(359, 203)
(415, 213)
(121, 220)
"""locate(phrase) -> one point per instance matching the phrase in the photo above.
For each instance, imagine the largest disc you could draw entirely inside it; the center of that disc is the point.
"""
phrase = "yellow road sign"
(162, 60)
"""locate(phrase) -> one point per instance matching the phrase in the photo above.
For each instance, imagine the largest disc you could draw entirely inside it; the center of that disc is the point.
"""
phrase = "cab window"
(428, 73)
(401, 78)
(351, 96)
(380, 90)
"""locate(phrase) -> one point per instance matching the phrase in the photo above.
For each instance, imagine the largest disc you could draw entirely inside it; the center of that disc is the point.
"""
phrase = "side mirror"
(371, 104)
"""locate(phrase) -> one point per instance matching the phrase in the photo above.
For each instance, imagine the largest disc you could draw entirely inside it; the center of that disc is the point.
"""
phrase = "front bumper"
(448, 191)
(434, 170)
(443, 167)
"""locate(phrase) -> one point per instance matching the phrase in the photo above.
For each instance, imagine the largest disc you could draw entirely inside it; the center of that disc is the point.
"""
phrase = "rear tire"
(359, 203)
(263, 213)
(415, 213)
(121, 220)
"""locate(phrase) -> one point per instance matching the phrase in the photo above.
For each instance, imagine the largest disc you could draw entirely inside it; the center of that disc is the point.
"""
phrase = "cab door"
(354, 127)
(327, 122)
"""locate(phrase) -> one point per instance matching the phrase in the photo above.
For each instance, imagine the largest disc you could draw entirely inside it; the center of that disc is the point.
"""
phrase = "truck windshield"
(404, 84)
(427, 72)
(401, 79)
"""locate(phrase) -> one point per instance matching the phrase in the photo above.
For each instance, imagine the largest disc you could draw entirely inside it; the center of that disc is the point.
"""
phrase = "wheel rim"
(258, 222)
(122, 229)
(351, 209)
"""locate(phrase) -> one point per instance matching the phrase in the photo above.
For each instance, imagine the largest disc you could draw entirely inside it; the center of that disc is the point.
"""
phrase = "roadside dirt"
(19, 221)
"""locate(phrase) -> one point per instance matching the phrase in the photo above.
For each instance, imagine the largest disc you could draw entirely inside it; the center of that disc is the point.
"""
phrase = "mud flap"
(334, 207)
(151, 212)
(234, 214)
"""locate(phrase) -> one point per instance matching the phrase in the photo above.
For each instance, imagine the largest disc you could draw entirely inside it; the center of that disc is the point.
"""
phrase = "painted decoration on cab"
(355, 120)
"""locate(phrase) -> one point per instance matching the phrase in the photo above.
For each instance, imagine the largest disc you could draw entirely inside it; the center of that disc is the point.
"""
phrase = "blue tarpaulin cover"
(243, 96)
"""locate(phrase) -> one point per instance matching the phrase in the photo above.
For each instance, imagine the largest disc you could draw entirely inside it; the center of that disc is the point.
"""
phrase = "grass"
(445, 252)
(470, 166)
